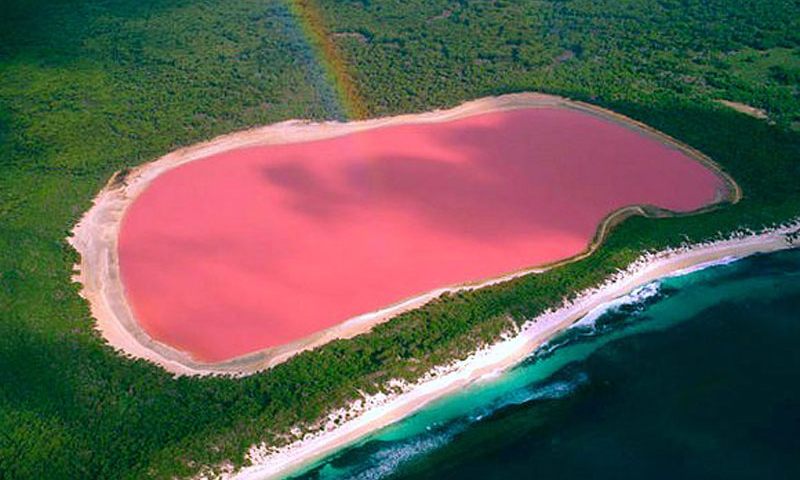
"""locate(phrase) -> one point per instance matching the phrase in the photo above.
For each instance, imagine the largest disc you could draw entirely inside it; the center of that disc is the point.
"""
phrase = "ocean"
(691, 377)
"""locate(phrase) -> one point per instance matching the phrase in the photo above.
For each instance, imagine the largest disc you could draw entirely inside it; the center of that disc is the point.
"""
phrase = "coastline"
(95, 236)
(381, 410)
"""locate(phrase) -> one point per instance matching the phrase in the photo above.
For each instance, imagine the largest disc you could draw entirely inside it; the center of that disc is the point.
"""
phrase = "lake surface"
(695, 377)
(263, 246)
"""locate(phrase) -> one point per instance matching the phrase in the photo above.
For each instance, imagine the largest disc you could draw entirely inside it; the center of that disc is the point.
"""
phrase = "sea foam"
(640, 295)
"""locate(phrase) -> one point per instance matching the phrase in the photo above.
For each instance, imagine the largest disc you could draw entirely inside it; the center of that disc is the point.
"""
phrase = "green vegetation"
(87, 88)
(777, 73)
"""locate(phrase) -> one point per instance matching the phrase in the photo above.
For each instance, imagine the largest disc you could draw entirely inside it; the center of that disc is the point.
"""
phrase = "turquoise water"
(696, 376)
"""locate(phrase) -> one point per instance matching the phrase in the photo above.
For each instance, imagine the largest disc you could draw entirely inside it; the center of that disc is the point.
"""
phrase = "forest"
(88, 88)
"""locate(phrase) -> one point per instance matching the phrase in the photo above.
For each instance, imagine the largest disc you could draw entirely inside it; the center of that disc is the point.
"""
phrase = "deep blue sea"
(691, 377)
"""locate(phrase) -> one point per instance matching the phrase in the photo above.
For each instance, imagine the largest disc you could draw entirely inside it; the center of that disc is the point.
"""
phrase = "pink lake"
(262, 246)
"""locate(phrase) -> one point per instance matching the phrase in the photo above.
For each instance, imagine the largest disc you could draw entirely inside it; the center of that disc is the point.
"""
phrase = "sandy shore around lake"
(95, 237)
(378, 411)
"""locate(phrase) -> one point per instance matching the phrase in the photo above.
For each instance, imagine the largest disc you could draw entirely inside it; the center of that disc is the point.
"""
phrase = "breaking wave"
(380, 458)
(635, 301)
(610, 315)
(702, 266)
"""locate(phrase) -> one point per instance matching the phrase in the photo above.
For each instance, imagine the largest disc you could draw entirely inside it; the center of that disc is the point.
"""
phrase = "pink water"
(258, 247)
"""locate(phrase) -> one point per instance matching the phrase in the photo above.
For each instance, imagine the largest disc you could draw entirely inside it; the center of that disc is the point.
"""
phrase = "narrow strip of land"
(498, 358)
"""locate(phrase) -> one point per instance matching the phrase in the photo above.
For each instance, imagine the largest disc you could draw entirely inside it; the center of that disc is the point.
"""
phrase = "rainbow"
(309, 20)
